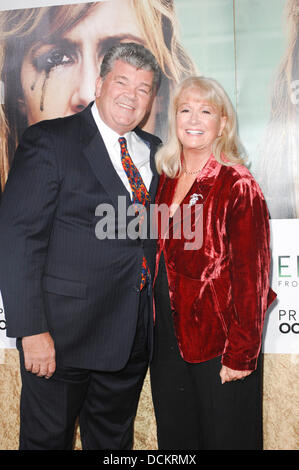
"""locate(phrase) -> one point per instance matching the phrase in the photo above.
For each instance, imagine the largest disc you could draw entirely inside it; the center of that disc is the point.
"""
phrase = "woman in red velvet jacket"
(212, 292)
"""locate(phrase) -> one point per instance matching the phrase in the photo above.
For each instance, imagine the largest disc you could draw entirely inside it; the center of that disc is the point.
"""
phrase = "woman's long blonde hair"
(226, 149)
(276, 172)
(19, 29)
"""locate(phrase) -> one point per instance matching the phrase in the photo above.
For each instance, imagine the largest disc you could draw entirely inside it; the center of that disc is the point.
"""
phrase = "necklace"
(192, 172)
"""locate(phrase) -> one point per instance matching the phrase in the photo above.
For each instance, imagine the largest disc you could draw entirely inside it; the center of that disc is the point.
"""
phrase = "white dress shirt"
(139, 151)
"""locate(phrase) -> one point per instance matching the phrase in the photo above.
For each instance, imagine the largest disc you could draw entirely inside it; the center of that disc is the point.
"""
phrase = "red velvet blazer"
(220, 292)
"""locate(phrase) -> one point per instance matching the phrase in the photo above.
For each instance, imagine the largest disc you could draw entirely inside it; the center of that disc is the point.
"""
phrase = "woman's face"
(198, 122)
(58, 79)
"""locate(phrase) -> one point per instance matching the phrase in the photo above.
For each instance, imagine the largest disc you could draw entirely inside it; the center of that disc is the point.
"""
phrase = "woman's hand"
(228, 375)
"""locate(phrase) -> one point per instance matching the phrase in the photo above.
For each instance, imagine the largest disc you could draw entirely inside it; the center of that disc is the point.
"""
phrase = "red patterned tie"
(140, 195)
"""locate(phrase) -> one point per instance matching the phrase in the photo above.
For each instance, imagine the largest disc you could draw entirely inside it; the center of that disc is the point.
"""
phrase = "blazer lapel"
(207, 177)
(200, 189)
(155, 178)
(99, 160)
(153, 143)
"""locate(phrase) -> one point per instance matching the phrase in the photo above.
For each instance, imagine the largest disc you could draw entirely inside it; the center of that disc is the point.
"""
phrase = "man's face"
(124, 97)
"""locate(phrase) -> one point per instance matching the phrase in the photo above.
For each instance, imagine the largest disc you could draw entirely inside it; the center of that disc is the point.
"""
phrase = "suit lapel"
(155, 178)
(99, 160)
(153, 143)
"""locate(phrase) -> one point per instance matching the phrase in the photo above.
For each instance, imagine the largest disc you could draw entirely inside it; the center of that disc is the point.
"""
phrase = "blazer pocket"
(58, 286)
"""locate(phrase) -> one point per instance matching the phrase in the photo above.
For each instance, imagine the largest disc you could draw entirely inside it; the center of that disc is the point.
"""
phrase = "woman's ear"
(223, 122)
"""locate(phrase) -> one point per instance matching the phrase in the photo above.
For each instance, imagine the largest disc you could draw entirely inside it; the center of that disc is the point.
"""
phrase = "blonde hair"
(226, 148)
(20, 29)
(160, 27)
(279, 148)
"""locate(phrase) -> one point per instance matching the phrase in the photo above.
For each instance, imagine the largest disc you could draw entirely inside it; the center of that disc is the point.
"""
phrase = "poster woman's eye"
(58, 58)
(54, 58)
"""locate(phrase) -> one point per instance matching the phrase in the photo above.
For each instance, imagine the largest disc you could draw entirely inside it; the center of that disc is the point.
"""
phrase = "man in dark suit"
(80, 303)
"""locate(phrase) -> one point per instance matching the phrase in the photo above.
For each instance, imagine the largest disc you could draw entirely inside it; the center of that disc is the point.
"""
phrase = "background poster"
(51, 57)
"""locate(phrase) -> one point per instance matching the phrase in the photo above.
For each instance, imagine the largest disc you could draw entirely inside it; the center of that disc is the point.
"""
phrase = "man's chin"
(124, 126)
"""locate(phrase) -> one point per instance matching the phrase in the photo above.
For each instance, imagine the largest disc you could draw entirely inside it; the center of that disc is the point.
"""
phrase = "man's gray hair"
(133, 54)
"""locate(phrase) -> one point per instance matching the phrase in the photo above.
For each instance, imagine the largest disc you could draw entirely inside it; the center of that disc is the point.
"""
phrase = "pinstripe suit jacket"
(55, 274)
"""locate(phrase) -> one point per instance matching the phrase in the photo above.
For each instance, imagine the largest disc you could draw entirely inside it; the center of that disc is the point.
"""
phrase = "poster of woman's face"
(278, 170)
(50, 57)
(58, 75)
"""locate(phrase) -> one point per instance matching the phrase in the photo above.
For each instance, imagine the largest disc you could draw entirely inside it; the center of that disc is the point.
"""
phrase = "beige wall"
(281, 407)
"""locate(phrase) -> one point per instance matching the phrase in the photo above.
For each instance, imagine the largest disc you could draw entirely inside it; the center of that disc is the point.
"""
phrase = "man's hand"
(228, 375)
(39, 354)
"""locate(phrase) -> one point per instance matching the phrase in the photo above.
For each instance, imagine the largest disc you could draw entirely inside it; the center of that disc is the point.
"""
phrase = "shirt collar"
(109, 135)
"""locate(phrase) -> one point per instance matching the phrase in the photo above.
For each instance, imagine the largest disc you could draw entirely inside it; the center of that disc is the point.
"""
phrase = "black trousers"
(193, 409)
(105, 402)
